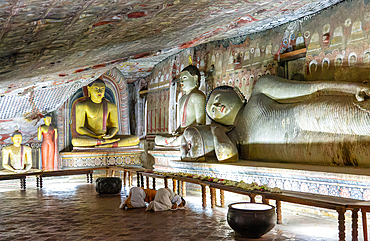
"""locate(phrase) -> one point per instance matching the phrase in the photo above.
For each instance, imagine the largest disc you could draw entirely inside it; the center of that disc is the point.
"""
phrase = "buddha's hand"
(105, 136)
(178, 131)
(99, 136)
(362, 93)
(108, 138)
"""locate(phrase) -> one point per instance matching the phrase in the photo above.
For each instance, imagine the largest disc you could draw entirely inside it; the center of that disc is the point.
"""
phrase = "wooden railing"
(339, 204)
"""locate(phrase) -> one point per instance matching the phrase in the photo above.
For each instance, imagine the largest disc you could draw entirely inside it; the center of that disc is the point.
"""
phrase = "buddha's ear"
(197, 80)
(88, 90)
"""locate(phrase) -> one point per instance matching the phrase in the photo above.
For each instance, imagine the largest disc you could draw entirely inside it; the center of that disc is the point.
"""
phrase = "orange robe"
(48, 149)
(149, 196)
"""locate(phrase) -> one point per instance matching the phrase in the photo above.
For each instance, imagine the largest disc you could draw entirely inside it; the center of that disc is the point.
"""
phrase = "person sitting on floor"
(166, 199)
(138, 198)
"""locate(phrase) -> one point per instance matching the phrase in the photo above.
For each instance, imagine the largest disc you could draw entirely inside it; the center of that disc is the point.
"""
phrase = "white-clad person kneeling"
(166, 199)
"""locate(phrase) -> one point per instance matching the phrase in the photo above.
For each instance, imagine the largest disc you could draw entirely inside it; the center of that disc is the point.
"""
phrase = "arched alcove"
(116, 92)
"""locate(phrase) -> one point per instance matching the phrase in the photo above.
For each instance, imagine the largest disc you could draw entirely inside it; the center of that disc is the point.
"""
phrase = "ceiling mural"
(43, 37)
(50, 48)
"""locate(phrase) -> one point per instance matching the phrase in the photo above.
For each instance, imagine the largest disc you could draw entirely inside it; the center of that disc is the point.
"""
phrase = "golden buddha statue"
(191, 106)
(97, 121)
(17, 157)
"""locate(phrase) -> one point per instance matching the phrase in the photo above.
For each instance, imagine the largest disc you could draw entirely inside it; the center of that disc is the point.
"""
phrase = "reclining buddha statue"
(96, 121)
(318, 122)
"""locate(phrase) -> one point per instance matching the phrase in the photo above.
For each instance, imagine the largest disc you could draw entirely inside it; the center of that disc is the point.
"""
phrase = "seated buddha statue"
(191, 106)
(96, 121)
(17, 157)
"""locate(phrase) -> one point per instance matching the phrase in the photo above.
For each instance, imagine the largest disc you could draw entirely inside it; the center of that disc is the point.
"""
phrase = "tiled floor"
(70, 209)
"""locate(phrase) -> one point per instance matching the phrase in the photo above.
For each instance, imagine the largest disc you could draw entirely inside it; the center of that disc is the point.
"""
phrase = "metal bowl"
(251, 220)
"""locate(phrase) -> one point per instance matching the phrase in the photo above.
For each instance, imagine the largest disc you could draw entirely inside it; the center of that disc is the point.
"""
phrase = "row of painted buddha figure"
(284, 120)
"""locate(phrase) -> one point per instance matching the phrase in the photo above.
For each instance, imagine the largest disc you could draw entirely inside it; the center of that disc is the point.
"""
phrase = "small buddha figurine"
(49, 136)
(97, 121)
(17, 157)
(191, 106)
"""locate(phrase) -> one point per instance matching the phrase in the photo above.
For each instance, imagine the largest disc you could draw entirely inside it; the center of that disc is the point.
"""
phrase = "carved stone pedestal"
(93, 157)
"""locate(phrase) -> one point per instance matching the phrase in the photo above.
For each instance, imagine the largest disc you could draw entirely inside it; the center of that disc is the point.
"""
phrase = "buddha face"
(187, 81)
(223, 106)
(47, 120)
(17, 139)
(218, 109)
(96, 92)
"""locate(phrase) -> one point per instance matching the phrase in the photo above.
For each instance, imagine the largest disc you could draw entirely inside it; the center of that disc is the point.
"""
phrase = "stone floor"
(70, 209)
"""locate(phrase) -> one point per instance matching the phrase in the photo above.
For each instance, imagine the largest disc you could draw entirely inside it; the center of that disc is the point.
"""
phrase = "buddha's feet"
(167, 141)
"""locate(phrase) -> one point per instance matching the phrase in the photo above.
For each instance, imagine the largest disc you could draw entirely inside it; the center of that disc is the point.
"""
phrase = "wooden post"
(138, 179)
(364, 223)
(222, 198)
(355, 224)
(153, 183)
(252, 197)
(213, 197)
(204, 197)
(37, 181)
(124, 178)
(265, 201)
(341, 224)
(23, 183)
(278, 212)
(179, 187)
(183, 189)
(214, 192)
(129, 179)
(41, 184)
(147, 182)
(141, 179)
(107, 173)
(174, 186)
(87, 177)
(165, 182)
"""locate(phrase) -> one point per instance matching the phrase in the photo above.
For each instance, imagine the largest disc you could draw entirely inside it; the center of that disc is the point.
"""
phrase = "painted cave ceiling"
(49, 43)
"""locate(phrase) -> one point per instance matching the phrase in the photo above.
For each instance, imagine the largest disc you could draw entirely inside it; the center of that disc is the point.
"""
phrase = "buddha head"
(223, 104)
(96, 90)
(47, 119)
(17, 138)
(189, 78)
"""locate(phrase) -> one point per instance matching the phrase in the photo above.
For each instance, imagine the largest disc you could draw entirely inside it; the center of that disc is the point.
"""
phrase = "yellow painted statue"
(191, 106)
(17, 157)
(97, 121)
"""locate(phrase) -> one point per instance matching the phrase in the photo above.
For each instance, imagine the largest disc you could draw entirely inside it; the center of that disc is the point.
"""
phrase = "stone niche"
(116, 92)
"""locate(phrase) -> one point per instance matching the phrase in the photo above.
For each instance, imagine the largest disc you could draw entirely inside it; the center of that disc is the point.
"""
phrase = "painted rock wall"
(337, 49)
